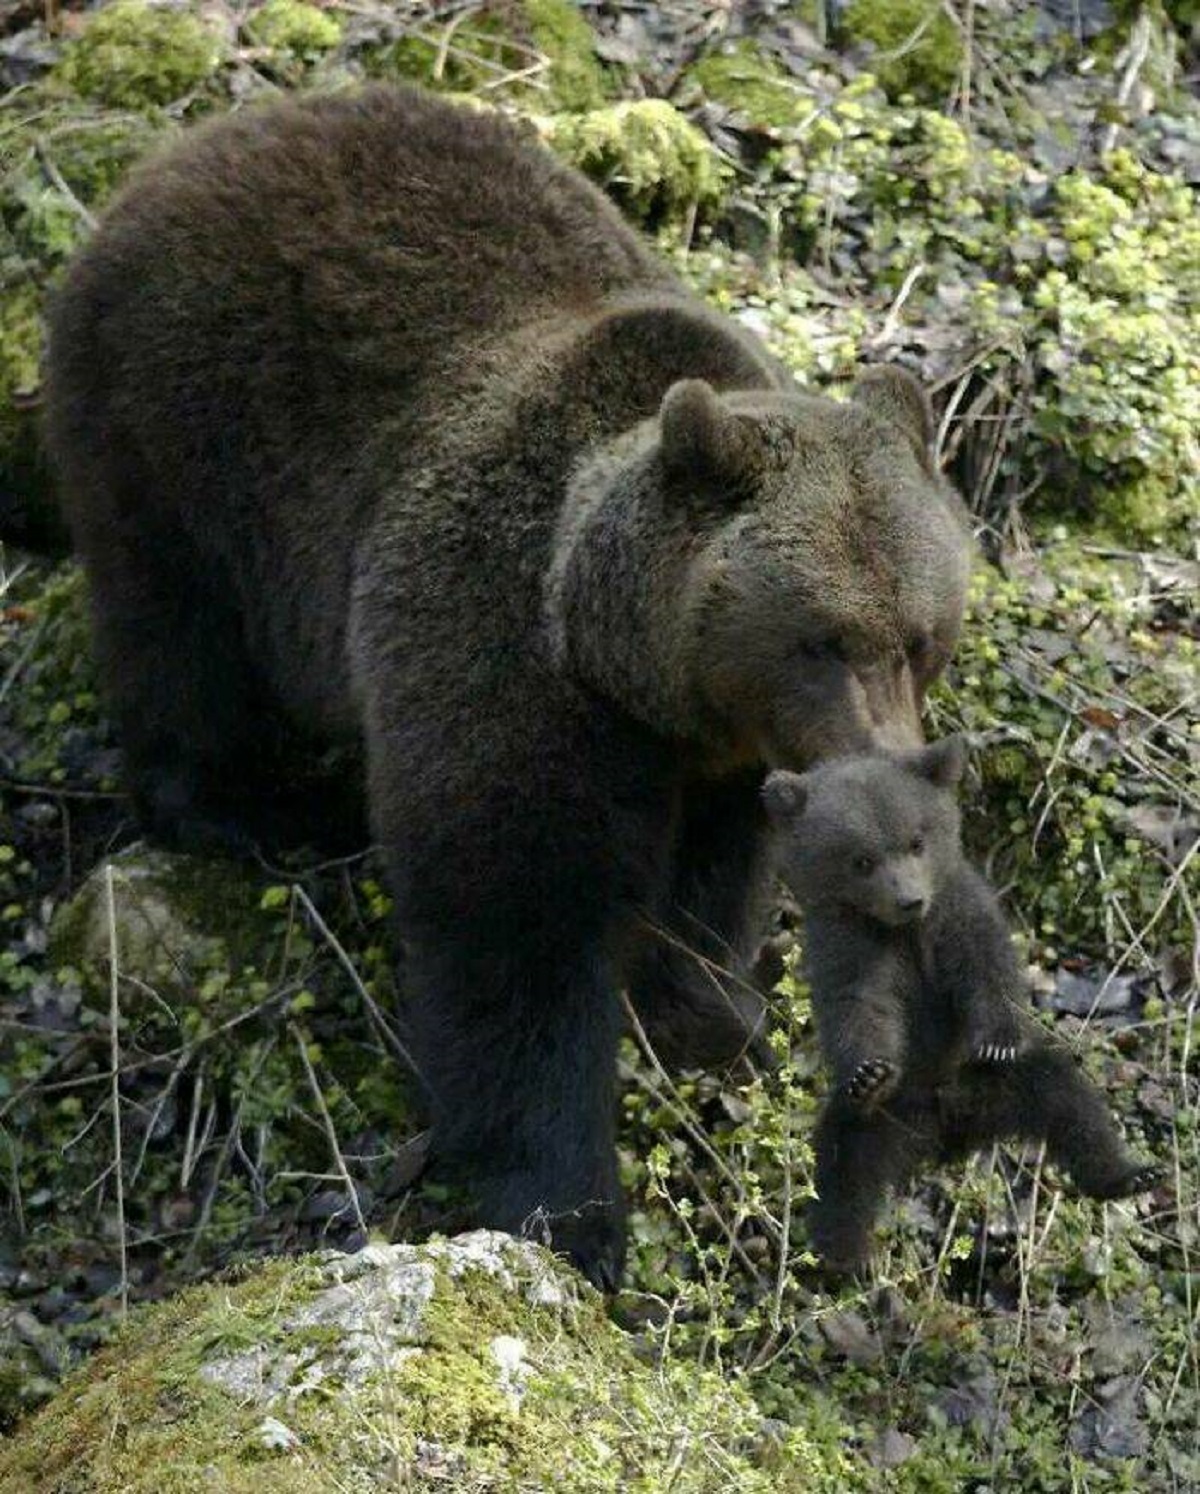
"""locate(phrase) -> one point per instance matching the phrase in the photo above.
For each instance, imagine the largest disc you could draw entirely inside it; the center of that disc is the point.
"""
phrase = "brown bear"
(921, 1006)
(377, 429)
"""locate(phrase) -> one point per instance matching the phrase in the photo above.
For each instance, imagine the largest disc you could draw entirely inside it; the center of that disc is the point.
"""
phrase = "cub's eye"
(825, 648)
(917, 844)
(864, 865)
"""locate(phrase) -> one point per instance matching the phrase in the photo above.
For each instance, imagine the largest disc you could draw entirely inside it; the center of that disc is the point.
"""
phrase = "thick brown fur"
(355, 403)
(921, 1007)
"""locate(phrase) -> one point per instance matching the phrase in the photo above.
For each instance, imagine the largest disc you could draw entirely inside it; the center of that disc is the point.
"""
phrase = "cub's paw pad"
(873, 1078)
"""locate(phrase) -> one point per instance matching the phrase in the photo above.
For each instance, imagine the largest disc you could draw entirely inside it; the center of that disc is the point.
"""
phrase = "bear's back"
(333, 248)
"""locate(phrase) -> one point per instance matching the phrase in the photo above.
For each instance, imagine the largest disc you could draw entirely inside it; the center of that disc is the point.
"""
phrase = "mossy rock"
(645, 153)
(134, 55)
(61, 158)
(177, 919)
(498, 48)
(746, 80)
(917, 47)
(475, 1363)
(294, 27)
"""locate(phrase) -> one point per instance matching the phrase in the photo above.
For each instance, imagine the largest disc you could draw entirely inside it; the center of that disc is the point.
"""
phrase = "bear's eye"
(917, 844)
(864, 864)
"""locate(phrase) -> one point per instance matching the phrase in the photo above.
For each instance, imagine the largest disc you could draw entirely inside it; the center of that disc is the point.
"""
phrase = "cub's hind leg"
(1045, 1096)
(861, 1157)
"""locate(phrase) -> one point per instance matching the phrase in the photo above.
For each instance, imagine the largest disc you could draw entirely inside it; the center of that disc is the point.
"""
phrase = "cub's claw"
(996, 1053)
(871, 1081)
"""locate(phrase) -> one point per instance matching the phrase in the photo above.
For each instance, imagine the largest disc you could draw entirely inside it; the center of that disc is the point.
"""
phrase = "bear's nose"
(912, 907)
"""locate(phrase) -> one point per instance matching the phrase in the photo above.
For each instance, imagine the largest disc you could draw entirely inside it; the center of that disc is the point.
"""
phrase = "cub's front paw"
(998, 1041)
(871, 1083)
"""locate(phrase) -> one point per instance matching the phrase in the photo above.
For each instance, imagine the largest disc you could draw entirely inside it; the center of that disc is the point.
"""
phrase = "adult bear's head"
(773, 576)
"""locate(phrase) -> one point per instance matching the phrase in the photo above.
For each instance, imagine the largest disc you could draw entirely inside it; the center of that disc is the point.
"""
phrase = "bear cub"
(921, 1008)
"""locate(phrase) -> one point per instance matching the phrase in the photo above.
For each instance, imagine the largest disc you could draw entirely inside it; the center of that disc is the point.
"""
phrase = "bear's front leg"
(696, 981)
(519, 880)
(995, 1032)
(516, 1035)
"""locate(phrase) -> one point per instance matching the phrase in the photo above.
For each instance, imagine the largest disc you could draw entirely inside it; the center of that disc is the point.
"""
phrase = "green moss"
(590, 1415)
(20, 356)
(1062, 842)
(134, 55)
(645, 153)
(559, 30)
(495, 49)
(1118, 336)
(183, 924)
(743, 78)
(918, 49)
(296, 27)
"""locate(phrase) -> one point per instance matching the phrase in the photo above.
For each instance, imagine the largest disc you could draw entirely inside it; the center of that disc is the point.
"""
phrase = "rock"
(1110, 1427)
(892, 1448)
(480, 1361)
(849, 1335)
(175, 917)
(1090, 995)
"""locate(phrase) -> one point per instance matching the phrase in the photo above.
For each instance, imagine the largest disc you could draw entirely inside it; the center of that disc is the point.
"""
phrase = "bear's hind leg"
(198, 739)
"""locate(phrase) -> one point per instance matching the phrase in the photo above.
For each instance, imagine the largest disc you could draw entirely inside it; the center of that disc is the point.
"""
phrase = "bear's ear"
(944, 763)
(705, 447)
(785, 794)
(895, 396)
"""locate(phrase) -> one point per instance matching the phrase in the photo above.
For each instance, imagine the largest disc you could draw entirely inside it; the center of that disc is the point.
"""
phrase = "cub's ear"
(944, 763)
(706, 448)
(895, 396)
(785, 794)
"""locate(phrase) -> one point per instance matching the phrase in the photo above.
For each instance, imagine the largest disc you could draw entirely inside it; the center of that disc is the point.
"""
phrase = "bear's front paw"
(1138, 1177)
(871, 1082)
(594, 1239)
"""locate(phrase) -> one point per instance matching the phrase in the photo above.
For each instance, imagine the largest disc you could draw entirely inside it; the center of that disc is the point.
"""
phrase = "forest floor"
(1003, 198)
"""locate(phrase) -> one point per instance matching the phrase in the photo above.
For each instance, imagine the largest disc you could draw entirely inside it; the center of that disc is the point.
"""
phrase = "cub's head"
(876, 833)
(775, 575)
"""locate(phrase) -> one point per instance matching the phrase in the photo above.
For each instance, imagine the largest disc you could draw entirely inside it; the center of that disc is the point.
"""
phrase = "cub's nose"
(912, 907)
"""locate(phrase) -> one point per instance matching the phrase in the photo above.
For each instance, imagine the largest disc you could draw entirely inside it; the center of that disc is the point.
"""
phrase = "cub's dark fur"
(919, 1000)
(378, 429)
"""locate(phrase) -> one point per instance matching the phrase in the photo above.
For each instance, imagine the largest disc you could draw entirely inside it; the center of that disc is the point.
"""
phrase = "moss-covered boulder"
(916, 48)
(132, 55)
(749, 82)
(295, 27)
(647, 154)
(539, 53)
(172, 920)
(475, 1363)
